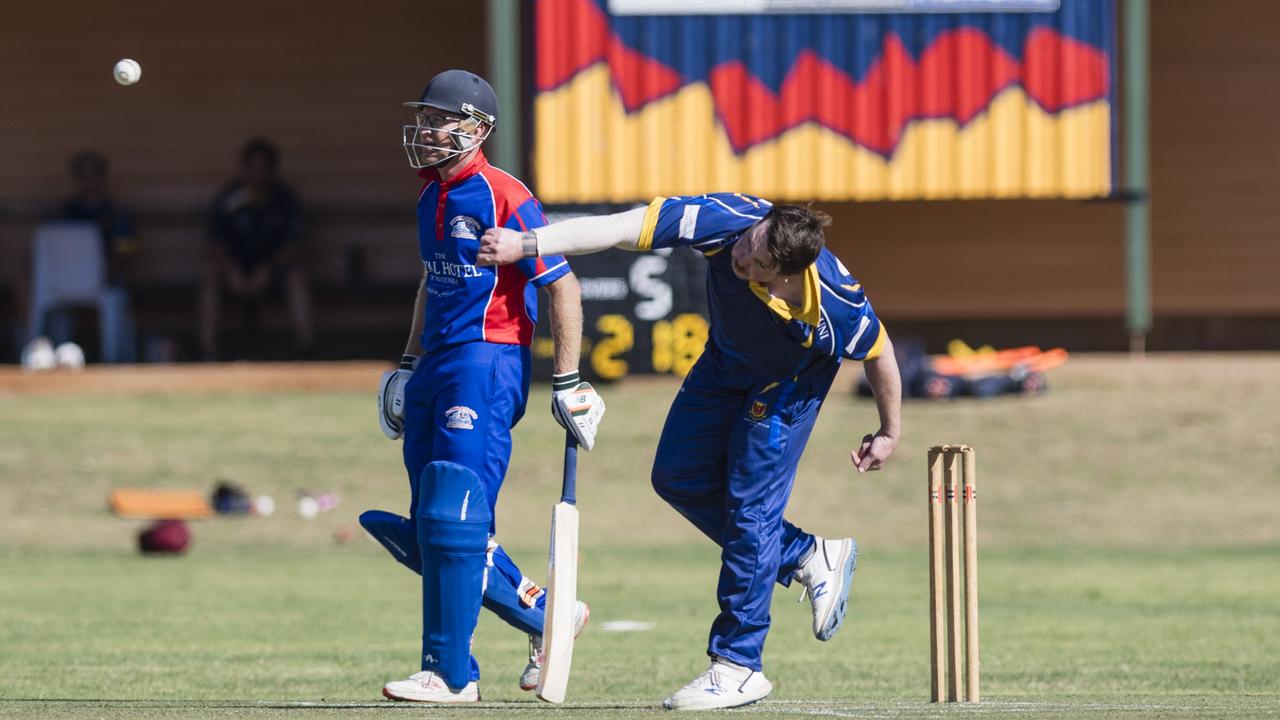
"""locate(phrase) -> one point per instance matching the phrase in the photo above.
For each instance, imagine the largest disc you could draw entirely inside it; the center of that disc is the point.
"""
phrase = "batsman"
(784, 313)
(463, 384)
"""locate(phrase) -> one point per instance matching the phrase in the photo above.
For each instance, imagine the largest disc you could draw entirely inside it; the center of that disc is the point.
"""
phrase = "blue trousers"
(726, 462)
(460, 406)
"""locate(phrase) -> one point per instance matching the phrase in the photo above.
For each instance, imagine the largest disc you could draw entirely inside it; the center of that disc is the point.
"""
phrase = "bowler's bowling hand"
(503, 246)
(874, 451)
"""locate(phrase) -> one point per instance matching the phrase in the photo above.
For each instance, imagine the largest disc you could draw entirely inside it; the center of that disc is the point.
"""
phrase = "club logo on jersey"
(758, 410)
(459, 417)
(443, 270)
(464, 228)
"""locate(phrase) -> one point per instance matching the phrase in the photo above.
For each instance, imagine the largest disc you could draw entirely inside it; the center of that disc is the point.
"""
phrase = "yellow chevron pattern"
(588, 149)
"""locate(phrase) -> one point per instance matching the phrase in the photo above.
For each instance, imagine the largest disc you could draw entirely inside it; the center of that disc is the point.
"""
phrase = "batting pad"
(151, 504)
(453, 536)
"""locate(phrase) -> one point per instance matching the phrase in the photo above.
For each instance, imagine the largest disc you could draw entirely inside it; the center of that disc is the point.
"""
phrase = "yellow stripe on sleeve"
(645, 243)
(878, 347)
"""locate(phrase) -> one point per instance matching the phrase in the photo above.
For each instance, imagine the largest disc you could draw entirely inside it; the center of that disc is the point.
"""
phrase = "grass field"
(1129, 562)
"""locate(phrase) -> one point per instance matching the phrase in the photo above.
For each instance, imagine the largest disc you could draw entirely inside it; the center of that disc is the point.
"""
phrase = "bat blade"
(562, 601)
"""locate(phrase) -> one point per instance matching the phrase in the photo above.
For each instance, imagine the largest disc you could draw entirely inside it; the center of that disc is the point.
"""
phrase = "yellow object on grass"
(153, 504)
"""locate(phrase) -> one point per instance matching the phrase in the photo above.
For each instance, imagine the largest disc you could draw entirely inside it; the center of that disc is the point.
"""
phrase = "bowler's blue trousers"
(726, 461)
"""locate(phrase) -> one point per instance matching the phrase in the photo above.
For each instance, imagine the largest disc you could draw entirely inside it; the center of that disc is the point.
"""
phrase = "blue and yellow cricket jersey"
(776, 339)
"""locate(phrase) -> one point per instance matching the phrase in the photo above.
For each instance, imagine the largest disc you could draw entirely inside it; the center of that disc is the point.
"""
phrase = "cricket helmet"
(462, 95)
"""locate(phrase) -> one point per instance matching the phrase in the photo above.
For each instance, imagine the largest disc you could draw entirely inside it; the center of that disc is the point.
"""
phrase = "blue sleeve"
(540, 271)
(862, 338)
(703, 222)
(857, 332)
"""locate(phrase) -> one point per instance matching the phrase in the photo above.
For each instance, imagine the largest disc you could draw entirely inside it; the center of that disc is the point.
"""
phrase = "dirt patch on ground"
(196, 378)
(359, 376)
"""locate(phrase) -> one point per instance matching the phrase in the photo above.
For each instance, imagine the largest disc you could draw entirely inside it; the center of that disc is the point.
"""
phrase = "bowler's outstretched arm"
(578, 236)
(886, 385)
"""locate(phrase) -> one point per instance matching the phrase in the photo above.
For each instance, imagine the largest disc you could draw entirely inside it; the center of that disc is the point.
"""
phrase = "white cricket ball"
(127, 72)
(263, 506)
(308, 507)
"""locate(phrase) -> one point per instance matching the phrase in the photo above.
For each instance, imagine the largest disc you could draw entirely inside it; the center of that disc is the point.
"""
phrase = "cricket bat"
(562, 585)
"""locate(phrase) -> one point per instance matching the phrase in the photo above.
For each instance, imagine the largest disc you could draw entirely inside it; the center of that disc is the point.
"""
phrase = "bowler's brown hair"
(794, 236)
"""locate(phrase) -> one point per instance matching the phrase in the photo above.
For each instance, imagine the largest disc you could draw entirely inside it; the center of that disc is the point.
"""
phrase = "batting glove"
(577, 407)
(391, 397)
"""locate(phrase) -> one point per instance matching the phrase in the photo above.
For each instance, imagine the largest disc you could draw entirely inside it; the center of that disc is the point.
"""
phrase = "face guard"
(432, 142)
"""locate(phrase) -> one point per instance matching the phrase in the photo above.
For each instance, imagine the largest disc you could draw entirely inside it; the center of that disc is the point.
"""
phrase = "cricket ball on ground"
(264, 506)
(308, 507)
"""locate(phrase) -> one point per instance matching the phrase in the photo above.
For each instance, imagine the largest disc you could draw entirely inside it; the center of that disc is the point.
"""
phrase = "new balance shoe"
(533, 671)
(827, 577)
(723, 685)
(427, 687)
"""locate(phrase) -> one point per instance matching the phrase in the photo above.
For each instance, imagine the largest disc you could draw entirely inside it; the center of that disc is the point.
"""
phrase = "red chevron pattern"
(957, 76)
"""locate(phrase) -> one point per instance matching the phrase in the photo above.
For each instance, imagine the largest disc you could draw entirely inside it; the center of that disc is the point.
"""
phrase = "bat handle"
(568, 492)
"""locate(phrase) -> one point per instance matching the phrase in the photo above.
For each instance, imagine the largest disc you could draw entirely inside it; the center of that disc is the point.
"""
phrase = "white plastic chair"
(69, 270)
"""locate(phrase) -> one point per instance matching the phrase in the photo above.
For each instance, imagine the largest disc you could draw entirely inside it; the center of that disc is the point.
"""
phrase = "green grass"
(1075, 628)
(1128, 565)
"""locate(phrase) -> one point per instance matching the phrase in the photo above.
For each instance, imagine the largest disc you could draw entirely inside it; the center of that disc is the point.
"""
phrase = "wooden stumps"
(953, 603)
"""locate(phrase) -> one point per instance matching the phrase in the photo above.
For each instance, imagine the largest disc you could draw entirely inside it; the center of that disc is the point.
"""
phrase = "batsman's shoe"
(827, 577)
(533, 671)
(427, 687)
(723, 685)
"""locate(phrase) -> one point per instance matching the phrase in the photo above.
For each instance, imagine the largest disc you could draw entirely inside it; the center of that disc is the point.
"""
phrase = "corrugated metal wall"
(328, 87)
(830, 107)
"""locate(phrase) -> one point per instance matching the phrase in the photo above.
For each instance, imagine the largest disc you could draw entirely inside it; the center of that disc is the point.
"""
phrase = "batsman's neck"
(451, 171)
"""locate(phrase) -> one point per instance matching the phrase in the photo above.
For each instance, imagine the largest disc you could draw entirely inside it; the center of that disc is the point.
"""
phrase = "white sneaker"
(723, 685)
(827, 577)
(533, 671)
(427, 687)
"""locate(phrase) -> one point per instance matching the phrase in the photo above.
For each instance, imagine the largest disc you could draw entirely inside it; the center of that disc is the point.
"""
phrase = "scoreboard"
(643, 313)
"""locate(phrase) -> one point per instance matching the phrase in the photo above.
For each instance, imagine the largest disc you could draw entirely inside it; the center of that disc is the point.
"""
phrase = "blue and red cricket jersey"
(468, 302)
(470, 388)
